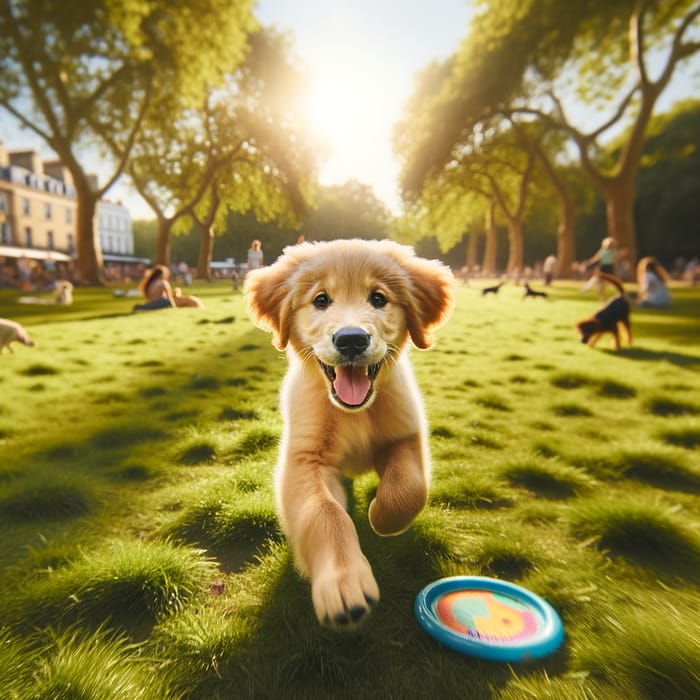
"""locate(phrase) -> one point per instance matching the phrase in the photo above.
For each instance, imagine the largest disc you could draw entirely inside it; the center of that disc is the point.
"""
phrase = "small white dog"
(10, 331)
(345, 311)
(63, 292)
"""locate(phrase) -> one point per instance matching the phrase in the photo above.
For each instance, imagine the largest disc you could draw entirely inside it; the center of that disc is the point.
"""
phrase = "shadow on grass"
(288, 654)
(675, 358)
(643, 535)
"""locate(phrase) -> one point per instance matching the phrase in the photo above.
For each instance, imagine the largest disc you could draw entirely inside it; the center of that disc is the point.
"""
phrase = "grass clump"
(48, 498)
(17, 663)
(128, 586)
(469, 490)
(572, 380)
(655, 656)
(123, 436)
(643, 534)
(647, 462)
(197, 452)
(664, 406)
(94, 666)
(39, 370)
(255, 441)
(572, 410)
(546, 479)
(687, 436)
(229, 413)
(232, 531)
(504, 557)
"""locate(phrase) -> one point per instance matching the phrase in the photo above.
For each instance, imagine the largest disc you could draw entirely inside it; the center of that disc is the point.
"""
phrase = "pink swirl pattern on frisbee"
(487, 616)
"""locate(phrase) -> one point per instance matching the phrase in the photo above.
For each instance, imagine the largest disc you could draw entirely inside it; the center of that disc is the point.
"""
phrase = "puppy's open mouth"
(351, 385)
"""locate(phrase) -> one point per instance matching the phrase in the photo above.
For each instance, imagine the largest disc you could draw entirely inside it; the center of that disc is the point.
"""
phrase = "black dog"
(606, 319)
(491, 290)
(529, 292)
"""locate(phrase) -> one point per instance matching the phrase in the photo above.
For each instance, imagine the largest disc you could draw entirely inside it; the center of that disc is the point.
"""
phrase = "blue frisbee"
(489, 618)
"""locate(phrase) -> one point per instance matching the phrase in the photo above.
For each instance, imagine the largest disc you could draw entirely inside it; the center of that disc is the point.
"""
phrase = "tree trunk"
(619, 207)
(89, 263)
(515, 245)
(206, 245)
(472, 243)
(565, 237)
(491, 241)
(567, 216)
(162, 256)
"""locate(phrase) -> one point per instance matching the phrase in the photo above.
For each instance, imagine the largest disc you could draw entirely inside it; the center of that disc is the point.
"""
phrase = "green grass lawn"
(140, 554)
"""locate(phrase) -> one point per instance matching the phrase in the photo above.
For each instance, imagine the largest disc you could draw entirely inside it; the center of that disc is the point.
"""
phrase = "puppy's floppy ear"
(268, 297)
(431, 298)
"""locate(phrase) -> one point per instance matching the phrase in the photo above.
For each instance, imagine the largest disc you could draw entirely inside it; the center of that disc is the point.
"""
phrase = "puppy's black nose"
(351, 341)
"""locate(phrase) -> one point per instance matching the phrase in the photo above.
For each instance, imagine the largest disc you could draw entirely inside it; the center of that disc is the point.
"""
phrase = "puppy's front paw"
(344, 595)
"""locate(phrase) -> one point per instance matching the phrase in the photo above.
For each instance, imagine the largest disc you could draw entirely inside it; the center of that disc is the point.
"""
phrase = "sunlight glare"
(352, 115)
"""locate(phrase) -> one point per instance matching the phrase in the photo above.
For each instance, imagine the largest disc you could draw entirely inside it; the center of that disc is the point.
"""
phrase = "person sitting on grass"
(156, 288)
(652, 281)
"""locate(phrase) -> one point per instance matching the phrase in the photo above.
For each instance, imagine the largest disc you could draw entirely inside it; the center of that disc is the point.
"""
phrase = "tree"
(668, 206)
(350, 210)
(81, 75)
(245, 148)
(521, 57)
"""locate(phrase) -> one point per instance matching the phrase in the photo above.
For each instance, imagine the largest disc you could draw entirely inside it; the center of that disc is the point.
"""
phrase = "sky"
(362, 57)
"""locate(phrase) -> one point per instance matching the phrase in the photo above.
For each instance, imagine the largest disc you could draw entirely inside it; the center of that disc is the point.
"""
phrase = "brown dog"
(607, 319)
(345, 311)
(11, 331)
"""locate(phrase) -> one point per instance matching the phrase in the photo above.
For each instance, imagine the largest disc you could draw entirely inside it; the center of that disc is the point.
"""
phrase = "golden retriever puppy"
(10, 332)
(345, 311)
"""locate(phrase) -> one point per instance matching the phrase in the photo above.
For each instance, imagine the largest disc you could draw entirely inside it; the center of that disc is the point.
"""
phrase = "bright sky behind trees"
(362, 56)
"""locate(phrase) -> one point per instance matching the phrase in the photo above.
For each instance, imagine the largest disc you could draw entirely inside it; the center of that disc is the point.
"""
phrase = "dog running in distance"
(530, 292)
(10, 332)
(345, 311)
(608, 318)
(491, 290)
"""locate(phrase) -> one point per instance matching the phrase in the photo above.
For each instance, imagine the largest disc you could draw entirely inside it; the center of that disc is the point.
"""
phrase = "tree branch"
(679, 50)
(636, 40)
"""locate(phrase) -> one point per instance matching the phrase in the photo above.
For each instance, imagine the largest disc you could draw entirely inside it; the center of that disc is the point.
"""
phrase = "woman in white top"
(255, 256)
(652, 283)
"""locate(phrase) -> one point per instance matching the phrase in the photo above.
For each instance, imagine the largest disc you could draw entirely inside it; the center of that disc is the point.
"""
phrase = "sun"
(338, 115)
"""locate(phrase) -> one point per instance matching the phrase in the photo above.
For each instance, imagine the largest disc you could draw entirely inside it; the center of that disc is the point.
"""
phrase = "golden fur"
(345, 311)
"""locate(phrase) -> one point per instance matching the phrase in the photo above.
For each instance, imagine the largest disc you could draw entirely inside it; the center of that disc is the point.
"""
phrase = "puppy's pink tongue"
(351, 384)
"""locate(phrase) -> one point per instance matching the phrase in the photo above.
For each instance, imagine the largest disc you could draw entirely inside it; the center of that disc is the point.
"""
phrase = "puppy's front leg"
(403, 487)
(324, 542)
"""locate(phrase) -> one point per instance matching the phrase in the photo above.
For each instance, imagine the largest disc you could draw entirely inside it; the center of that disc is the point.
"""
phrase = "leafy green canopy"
(84, 73)
(514, 54)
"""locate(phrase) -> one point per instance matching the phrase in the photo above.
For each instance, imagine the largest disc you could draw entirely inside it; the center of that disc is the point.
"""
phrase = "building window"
(49, 240)
(25, 206)
(28, 237)
(47, 210)
(5, 230)
(71, 243)
(69, 216)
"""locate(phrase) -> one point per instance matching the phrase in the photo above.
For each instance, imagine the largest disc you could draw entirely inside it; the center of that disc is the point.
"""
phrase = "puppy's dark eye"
(377, 299)
(322, 301)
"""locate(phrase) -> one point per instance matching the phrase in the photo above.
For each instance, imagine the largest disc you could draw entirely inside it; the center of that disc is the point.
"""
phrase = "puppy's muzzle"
(351, 378)
(351, 341)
